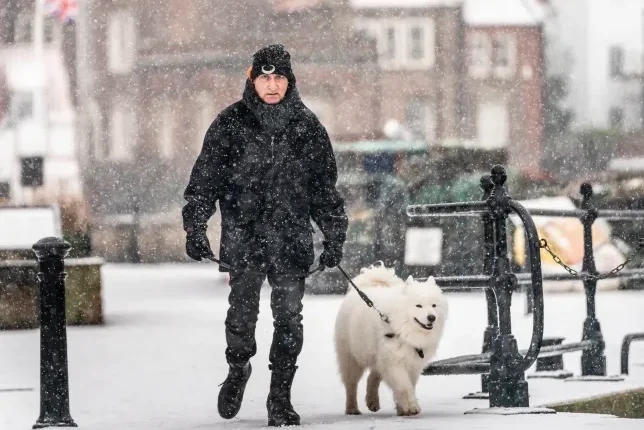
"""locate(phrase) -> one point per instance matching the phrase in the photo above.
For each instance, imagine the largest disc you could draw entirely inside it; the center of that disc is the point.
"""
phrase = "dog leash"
(363, 296)
(228, 267)
(320, 268)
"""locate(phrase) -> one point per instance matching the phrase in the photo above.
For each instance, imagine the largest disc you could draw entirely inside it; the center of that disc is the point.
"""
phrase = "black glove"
(197, 244)
(332, 254)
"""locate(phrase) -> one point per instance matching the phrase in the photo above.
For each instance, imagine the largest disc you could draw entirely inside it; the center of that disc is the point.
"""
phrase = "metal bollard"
(551, 366)
(593, 361)
(626, 345)
(507, 385)
(54, 382)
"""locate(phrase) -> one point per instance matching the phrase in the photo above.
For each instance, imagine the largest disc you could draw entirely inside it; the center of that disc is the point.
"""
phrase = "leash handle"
(363, 296)
(224, 265)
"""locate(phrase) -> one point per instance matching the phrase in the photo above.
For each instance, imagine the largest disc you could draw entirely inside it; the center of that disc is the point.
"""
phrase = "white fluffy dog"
(394, 352)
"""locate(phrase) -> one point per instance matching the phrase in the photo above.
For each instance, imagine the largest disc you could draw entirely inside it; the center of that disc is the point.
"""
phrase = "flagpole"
(40, 100)
(81, 79)
(38, 49)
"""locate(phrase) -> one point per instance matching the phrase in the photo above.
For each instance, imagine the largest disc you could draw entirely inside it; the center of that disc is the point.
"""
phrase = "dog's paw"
(408, 410)
(414, 409)
(353, 411)
(373, 404)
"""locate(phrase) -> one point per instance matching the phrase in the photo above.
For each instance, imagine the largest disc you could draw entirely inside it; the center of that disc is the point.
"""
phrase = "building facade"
(39, 162)
(152, 80)
(598, 45)
(156, 80)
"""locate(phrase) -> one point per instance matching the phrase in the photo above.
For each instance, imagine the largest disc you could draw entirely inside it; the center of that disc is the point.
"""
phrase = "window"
(492, 54)
(53, 31)
(23, 27)
(389, 43)
(417, 43)
(616, 117)
(22, 106)
(122, 131)
(503, 55)
(420, 118)
(121, 41)
(616, 59)
(403, 43)
(480, 47)
(492, 124)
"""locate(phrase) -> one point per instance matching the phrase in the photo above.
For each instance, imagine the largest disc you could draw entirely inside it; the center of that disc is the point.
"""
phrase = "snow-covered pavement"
(158, 360)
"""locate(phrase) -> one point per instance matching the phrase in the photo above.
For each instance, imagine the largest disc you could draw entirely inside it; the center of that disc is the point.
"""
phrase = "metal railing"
(501, 365)
(501, 362)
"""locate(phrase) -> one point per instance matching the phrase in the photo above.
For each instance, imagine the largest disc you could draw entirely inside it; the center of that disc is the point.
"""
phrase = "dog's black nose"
(431, 318)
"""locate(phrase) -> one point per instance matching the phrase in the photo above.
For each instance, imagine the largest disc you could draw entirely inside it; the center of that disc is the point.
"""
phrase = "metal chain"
(543, 243)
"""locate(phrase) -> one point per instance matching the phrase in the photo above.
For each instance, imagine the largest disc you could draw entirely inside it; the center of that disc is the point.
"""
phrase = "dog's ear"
(430, 279)
(410, 279)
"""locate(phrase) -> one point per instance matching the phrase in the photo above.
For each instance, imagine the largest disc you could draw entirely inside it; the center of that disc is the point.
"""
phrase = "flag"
(62, 10)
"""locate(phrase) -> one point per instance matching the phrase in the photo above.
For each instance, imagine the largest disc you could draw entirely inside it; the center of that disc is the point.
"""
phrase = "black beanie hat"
(272, 59)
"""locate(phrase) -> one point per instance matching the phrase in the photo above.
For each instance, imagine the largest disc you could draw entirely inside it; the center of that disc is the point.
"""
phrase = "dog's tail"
(378, 277)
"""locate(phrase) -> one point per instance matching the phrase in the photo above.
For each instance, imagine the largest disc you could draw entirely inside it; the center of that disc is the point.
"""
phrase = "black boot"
(280, 410)
(232, 390)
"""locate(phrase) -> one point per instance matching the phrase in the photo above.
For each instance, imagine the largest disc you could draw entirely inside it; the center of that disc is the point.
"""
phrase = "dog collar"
(419, 351)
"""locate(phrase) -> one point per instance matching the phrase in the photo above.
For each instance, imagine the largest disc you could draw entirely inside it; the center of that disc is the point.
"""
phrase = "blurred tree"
(557, 121)
(579, 155)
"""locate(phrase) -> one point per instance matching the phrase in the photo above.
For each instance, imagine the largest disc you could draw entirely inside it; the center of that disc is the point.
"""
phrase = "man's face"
(271, 88)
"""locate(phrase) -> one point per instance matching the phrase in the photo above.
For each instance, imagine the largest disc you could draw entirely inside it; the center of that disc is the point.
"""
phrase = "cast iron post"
(54, 382)
(507, 386)
(593, 360)
(492, 329)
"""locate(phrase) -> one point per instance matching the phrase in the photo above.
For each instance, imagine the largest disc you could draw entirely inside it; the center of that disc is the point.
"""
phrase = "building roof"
(295, 5)
(476, 12)
(379, 146)
(402, 4)
(504, 12)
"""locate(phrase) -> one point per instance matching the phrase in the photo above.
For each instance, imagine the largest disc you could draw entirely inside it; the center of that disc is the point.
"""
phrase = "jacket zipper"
(272, 170)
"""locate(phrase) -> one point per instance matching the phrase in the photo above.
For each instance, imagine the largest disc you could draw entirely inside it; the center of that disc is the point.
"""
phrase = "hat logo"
(268, 69)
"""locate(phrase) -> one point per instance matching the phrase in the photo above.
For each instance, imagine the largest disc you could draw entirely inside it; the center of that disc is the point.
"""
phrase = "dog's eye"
(419, 306)
(434, 305)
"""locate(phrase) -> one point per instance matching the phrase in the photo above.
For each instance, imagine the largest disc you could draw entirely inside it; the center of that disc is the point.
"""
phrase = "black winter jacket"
(270, 178)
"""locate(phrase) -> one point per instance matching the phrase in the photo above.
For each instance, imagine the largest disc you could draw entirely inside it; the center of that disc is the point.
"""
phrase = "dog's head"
(424, 305)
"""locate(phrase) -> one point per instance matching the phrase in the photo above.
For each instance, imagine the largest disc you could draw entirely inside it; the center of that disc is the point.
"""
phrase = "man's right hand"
(197, 244)
(332, 254)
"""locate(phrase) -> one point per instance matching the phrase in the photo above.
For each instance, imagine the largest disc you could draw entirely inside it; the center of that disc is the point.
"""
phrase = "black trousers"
(286, 305)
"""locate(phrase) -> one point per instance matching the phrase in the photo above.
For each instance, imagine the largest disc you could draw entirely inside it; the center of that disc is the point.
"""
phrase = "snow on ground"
(158, 360)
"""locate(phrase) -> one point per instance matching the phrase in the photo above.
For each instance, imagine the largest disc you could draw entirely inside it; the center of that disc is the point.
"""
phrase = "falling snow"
(136, 131)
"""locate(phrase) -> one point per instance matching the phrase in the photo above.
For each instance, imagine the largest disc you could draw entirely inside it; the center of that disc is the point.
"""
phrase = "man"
(268, 160)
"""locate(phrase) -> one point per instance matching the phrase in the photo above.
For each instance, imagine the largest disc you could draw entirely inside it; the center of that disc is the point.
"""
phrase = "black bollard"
(507, 385)
(492, 329)
(551, 366)
(593, 360)
(54, 382)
